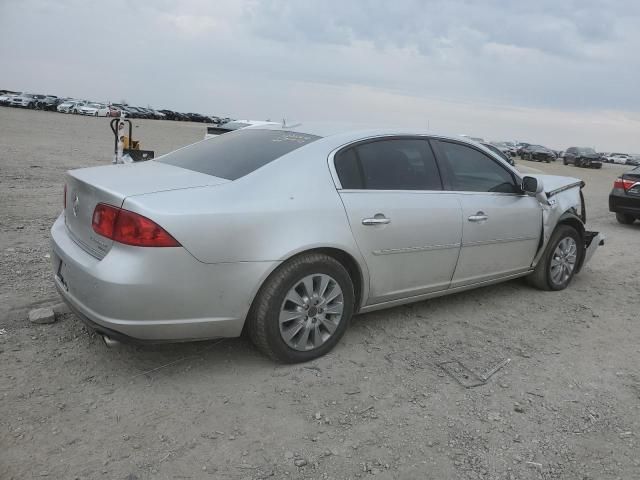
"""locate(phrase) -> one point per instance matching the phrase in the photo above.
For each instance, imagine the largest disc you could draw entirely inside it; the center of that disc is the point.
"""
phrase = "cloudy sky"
(555, 72)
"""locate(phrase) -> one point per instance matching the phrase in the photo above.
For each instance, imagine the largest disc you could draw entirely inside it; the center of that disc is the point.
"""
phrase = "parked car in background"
(473, 139)
(68, 106)
(49, 102)
(520, 146)
(24, 100)
(538, 153)
(94, 109)
(620, 158)
(390, 217)
(508, 148)
(505, 156)
(5, 98)
(196, 117)
(634, 160)
(582, 157)
(624, 199)
(215, 130)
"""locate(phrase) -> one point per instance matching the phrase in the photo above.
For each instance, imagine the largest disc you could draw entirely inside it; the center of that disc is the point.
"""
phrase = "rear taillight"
(64, 201)
(129, 228)
(623, 183)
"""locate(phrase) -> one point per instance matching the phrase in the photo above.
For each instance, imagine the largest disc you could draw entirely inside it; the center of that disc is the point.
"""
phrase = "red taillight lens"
(623, 183)
(130, 228)
(64, 201)
(104, 219)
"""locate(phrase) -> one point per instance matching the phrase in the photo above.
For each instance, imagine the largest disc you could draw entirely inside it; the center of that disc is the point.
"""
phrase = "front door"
(407, 229)
(501, 226)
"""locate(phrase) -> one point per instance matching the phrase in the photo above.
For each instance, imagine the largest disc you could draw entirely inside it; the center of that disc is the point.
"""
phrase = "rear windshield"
(236, 154)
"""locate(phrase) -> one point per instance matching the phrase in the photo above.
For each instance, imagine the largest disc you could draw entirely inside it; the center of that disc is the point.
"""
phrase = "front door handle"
(479, 217)
(378, 219)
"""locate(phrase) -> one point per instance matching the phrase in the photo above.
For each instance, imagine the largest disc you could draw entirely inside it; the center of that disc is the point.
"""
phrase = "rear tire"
(625, 218)
(564, 251)
(268, 332)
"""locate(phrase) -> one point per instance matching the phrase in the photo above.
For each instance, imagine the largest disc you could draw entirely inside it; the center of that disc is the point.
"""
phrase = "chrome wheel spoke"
(324, 283)
(287, 315)
(307, 284)
(291, 332)
(329, 325)
(332, 294)
(295, 297)
(335, 309)
(304, 338)
(317, 336)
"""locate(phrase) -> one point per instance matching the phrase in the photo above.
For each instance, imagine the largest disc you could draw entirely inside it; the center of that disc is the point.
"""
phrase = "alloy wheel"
(563, 260)
(311, 312)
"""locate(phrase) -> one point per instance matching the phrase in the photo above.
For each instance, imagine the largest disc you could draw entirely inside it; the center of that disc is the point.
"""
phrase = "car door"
(407, 229)
(501, 225)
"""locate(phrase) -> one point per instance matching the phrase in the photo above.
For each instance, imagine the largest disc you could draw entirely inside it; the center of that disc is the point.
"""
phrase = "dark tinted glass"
(235, 154)
(348, 170)
(399, 164)
(470, 170)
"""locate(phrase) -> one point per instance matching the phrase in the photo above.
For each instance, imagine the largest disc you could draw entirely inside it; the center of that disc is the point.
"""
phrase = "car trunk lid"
(112, 184)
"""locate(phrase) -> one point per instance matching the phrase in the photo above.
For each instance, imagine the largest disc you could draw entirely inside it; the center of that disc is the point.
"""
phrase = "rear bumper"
(154, 294)
(619, 202)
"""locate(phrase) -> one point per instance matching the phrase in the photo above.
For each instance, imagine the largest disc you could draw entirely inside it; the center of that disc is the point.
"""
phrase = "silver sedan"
(289, 232)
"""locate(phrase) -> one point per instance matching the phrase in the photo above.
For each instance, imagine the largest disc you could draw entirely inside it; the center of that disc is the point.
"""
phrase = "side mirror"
(531, 185)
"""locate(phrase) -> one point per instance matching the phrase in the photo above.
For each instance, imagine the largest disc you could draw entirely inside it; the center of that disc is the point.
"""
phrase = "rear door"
(501, 226)
(407, 229)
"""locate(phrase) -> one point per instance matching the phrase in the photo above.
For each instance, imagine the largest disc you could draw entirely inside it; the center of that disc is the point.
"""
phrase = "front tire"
(558, 264)
(303, 309)
(625, 218)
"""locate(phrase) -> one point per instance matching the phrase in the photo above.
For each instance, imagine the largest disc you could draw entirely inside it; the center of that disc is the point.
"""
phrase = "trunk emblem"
(76, 204)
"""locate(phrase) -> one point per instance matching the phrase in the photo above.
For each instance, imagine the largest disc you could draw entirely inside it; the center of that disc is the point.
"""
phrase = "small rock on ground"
(42, 315)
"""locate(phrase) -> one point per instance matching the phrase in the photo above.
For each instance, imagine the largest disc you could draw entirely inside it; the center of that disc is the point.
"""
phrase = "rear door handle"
(378, 219)
(479, 217)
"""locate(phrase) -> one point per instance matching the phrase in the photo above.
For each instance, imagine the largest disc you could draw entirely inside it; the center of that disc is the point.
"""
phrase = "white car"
(215, 130)
(6, 98)
(69, 106)
(94, 109)
(620, 158)
(26, 100)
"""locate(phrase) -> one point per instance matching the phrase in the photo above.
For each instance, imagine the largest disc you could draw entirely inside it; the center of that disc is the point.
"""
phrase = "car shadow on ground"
(428, 329)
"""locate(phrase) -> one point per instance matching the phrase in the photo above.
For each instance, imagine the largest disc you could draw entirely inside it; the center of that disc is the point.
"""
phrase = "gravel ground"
(566, 406)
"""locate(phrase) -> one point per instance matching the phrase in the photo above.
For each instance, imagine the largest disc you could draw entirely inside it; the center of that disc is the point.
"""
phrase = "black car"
(582, 157)
(500, 153)
(538, 153)
(624, 199)
(49, 102)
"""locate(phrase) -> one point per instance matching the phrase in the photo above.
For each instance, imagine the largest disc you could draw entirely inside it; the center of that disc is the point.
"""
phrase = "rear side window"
(395, 164)
(236, 154)
(470, 170)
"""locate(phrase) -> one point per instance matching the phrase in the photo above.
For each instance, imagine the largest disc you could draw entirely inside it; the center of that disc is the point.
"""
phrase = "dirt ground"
(567, 406)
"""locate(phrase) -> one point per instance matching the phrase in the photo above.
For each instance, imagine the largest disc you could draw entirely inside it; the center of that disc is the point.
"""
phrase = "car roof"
(356, 132)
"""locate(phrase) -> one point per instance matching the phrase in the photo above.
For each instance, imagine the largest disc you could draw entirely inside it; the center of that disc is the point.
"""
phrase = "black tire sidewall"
(276, 343)
(562, 232)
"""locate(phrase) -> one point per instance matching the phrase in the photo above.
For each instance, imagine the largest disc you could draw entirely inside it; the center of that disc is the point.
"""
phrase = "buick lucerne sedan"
(287, 232)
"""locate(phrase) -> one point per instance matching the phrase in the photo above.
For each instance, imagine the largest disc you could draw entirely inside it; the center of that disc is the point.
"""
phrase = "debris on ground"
(42, 315)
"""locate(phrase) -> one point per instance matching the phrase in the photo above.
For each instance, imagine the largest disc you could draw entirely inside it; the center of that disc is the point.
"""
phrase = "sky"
(557, 72)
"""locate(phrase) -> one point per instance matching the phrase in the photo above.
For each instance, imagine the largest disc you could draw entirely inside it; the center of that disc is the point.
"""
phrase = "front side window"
(394, 164)
(470, 170)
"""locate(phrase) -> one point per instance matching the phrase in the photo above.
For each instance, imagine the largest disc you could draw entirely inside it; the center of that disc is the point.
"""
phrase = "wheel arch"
(355, 269)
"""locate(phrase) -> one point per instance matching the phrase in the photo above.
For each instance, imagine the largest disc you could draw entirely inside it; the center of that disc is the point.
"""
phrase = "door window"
(395, 164)
(470, 170)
